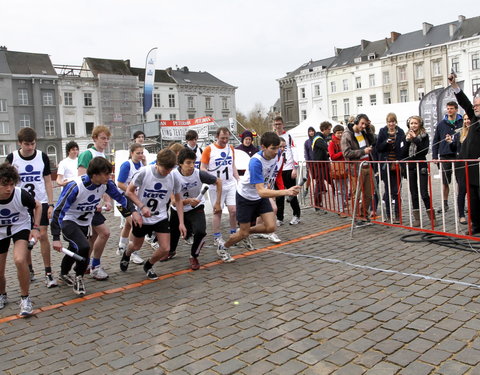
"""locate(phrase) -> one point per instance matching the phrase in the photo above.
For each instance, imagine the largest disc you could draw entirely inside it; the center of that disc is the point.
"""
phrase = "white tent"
(300, 132)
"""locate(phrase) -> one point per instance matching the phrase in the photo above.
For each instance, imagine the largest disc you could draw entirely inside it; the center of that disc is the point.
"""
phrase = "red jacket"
(334, 149)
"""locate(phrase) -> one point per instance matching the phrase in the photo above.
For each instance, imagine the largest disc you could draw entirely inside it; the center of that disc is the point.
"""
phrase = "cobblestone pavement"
(325, 304)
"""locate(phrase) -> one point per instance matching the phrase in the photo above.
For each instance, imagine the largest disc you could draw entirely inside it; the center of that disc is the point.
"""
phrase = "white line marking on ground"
(417, 275)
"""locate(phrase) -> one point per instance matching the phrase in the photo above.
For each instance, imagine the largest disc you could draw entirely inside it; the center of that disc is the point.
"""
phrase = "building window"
(191, 116)
(288, 94)
(387, 98)
(436, 68)
(107, 99)
(156, 100)
(225, 103)
(420, 93)
(3, 105)
(25, 121)
(4, 127)
(22, 97)
(345, 85)
(402, 73)
(173, 116)
(475, 86)
(89, 128)
(346, 107)
(358, 82)
(475, 61)
(49, 125)
(47, 97)
(303, 114)
(171, 100)
(68, 98)
(158, 116)
(4, 150)
(70, 128)
(419, 71)
(126, 99)
(371, 80)
(333, 86)
(316, 89)
(52, 155)
(208, 103)
(334, 108)
(141, 99)
(302, 92)
(87, 99)
(373, 99)
(359, 101)
(190, 101)
(403, 96)
(386, 78)
(455, 64)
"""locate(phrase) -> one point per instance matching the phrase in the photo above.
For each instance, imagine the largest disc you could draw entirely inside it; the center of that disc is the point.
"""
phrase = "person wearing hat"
(247, 143)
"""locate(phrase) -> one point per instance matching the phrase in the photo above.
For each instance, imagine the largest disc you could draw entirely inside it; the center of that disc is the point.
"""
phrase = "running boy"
(74, 212)
(33, 166)
(15, 224)
(155, 185)
(191, 180)
(254, 192)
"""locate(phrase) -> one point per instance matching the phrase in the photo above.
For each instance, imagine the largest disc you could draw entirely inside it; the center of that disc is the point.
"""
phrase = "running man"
(74, 213)
(254, 192)
(150, 190)
(33, 166)
(15, 205)
(218, 160)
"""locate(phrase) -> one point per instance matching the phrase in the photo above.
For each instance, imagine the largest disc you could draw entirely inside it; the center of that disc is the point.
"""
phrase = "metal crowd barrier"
(384, 193)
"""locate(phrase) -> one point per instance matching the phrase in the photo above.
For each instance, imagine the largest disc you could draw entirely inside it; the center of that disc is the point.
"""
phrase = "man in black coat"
(471, 150)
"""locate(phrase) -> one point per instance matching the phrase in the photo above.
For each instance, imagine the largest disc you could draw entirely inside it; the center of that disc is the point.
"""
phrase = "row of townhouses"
(64, 103)
(397, 69)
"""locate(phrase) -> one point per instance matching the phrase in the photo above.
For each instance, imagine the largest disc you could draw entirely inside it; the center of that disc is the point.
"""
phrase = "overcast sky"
(247, 43)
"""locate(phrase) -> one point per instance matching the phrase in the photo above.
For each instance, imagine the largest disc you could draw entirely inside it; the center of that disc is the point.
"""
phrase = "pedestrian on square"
(339, 171)
(67, 168)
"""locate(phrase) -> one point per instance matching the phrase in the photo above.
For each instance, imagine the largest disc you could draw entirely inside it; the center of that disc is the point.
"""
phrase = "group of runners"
(161, 202)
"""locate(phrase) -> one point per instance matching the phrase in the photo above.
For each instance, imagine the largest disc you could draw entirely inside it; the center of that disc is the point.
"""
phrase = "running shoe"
(67, 279)
(171, 255)
(3, 300)
(274, 238)
(224, 255)
(248, 244)
(194, 265)
(50, 281)
(136, 258)
(151, 275)
(26, 307)
(124, 263)
(295, 220)
(279, 223)
(32, 275)
(189, 240)
(98, 273)
(79, 286)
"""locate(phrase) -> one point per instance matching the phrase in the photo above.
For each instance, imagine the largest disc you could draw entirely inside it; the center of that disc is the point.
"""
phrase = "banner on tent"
(176, 129)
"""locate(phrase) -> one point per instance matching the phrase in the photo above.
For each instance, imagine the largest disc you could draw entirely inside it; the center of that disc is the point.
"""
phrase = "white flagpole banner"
(149, 80)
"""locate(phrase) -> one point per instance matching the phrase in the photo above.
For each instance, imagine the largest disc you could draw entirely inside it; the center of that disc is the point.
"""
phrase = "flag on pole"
(149, 80)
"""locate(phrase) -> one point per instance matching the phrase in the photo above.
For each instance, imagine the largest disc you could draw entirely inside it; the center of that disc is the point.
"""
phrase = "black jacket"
(440, 147)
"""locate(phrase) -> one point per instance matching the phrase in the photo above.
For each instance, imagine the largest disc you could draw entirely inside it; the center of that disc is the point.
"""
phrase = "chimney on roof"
(3, 48)
(394, 35)
(426, 27)
(185, 69)
(337, 51)
(451, 29)
(461, 18)
(364, 43)
(169, 70)
(127, 63)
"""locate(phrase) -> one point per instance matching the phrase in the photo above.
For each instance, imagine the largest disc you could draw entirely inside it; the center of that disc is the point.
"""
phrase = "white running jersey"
(260, 170)
(198, 152)
(190, 187)
(31, 175)
(81, 211)
(154, 192)
(96, 153)
(14, 216)
(132, 171)
(221, 164)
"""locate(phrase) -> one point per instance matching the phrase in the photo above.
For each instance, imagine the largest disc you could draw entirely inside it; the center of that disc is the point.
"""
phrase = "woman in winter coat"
(416, 148)
(339, 171)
